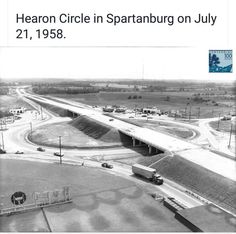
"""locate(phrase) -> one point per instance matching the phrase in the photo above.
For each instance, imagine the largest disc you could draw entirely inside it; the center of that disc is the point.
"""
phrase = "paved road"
(187, 150)
(16, 141)
(221, 145)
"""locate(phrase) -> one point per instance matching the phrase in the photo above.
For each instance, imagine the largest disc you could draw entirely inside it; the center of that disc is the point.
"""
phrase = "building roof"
(207, 218)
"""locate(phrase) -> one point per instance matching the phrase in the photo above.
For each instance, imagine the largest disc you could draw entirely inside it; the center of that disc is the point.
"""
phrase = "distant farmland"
(165, 101)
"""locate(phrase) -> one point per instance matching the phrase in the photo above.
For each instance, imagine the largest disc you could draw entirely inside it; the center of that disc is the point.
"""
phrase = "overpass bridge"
(155, 141)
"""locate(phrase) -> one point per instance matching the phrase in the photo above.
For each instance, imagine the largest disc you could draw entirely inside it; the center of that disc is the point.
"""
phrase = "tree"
(213, 60)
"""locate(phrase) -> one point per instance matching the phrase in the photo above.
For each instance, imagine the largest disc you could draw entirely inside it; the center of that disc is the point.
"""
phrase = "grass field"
(81, 132)
(177, 100)
(7, 102)
(207, 184)
(224, 126)
(101, 201)
(172, 129)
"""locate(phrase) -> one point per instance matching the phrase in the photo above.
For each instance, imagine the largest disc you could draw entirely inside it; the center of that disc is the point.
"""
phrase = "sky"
(125, 51)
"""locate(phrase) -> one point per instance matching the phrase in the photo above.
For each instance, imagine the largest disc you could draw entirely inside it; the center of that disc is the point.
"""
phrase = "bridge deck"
(189, 151)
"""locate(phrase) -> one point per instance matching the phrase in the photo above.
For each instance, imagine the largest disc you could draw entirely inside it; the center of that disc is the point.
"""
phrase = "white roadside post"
(231, 130)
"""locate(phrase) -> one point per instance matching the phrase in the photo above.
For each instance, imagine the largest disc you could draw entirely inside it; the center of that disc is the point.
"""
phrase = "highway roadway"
(16, 139)
(193, 152)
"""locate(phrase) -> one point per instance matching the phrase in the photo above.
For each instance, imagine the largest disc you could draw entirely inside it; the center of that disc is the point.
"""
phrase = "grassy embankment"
(204, 182)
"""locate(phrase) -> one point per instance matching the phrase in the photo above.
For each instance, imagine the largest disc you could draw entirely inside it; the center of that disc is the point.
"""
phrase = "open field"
(176, 101)
(169, 128)
(81, 132)
(224, 126)
(207, 184)
(101, 201)
(9, 101)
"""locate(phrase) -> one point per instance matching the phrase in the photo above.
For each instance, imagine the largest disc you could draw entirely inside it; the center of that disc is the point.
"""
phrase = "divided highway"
(212, 161)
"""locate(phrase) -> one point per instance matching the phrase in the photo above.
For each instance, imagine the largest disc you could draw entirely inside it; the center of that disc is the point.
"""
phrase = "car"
(40, 149)
(2, 151)
(58, 154)
(106, 165)
(111, 119)
(19, 152)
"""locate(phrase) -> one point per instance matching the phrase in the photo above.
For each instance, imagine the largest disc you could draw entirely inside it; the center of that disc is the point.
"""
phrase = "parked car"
(58, 154)
(2, 151)
(106, 165)
(40, 149)
(19, 152)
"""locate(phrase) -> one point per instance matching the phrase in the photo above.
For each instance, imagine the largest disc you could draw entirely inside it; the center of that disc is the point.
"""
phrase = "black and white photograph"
(117, 116)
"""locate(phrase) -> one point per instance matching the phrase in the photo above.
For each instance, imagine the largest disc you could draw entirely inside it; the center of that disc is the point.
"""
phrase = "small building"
(207, 218)
(151, 110)
(174, 113)
(17, 111)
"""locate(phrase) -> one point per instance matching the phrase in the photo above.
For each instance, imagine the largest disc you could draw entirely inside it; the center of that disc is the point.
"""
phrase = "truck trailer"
(148, 173)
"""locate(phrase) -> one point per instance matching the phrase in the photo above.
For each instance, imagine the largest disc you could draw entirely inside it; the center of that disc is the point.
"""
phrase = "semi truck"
(148, 173)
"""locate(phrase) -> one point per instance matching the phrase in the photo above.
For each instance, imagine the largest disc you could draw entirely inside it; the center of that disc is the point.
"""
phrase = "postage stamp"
(221, 61)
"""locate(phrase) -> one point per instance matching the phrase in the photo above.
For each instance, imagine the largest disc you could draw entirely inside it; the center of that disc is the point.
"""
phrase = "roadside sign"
(18, 198)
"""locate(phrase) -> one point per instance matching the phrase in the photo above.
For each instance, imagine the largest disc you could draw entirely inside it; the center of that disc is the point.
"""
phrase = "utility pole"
(2, 141)
(218, 126)
(60, 149)
(231, 128)
(31, 128)
(198, 116)
(41, 110)
(190, 108)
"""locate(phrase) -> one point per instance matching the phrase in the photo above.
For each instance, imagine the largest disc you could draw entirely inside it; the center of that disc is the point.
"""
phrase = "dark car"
(2, 151)
(106, 165)
(19, 152)
(58, 154)
(40, 149)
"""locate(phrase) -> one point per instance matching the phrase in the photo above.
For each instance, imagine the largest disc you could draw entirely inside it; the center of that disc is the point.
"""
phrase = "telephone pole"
(198, 112)
(60, 149)
(31, 128)
(218, 126)
(3, 146)
(190, 109)
(231, 129)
